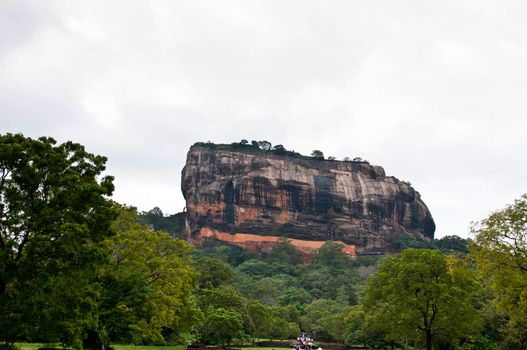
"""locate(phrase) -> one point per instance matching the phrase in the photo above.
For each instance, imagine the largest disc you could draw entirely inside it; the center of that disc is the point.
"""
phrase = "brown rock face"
(259, 193)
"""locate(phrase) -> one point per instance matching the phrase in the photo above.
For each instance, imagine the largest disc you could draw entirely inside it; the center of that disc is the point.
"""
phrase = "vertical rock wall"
(264, 194)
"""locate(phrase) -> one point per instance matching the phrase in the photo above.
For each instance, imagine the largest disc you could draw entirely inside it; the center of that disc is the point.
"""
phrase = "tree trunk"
(103, 337)
(3, 286)
(428, 339)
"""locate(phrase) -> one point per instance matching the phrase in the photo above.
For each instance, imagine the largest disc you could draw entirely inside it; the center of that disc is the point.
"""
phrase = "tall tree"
(261, 319)
(222, 325)
(319, 319)
(213, 272)
(223, 305)
(265, 145)
(500, 251)
(317, 154)
(147, 284)
(53, 216)
(422, 294)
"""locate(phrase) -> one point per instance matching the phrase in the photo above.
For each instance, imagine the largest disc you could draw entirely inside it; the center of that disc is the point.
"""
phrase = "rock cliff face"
(251, 197)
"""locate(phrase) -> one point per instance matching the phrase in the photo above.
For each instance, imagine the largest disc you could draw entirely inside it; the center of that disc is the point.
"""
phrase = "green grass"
(33, 346)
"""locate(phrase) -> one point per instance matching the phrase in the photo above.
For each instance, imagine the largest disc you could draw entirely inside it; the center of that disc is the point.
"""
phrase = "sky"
(433, 91)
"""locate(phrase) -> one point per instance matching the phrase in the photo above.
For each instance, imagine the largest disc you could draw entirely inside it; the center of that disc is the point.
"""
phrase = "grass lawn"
(30, 346)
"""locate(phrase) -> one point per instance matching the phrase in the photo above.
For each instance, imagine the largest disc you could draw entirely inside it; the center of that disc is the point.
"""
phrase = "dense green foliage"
(77, 268)
(147, 285)
(53, 219)
(317, 297)
(446, 244)
(420, 294)
(81, 270)
(173, 224)
(254, 146)
(500, 252)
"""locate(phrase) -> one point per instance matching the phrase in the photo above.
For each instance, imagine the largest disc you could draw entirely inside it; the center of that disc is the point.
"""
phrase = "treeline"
(423, 298)
(81, 270)
(266, 146)
(77, 268)
(254, 145)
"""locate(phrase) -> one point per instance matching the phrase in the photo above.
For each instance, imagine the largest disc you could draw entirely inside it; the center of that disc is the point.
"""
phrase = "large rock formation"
(251, 197)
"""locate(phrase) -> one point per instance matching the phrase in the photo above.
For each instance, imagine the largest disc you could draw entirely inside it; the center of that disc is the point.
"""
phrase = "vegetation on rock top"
(266, 146)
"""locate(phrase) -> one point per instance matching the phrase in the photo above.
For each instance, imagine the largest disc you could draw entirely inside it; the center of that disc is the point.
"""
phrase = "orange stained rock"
(251, 241)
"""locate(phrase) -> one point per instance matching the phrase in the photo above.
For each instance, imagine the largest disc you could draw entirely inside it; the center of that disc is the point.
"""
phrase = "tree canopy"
(422, 294)
(500, 251)
(147, 283)
(54, 213)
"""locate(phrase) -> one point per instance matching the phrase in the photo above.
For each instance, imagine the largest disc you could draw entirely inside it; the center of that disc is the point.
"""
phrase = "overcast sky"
(433, 91)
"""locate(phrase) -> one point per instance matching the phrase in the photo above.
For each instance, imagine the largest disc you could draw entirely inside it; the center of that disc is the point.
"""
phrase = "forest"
(81, 270)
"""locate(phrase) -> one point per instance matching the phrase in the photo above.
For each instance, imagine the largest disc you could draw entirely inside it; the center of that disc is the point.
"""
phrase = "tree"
(173, 224)
(422, 294)
(282, 329)
(295, 296)
(331, 255)
(284, 251)
(319, 319)
(147, 284)
(213, 272)
(267, 290)
(53, 217)
(265, 145)
(356, 333)
(500, 251)
(222, 325)
(279, 149)
(450, 244)
(223, 304)
(261, 319)
(317, 154)
(255, 268)
(407, 240)
(156, 211)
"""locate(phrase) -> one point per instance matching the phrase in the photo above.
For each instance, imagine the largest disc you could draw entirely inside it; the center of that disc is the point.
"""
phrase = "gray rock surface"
(262, 193)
